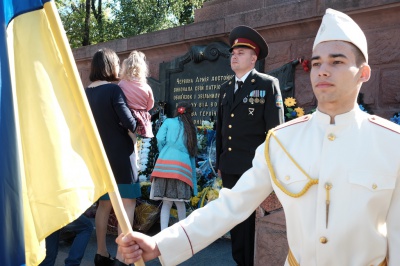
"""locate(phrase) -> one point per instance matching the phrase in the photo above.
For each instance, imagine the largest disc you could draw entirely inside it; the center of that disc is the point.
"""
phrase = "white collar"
(340, 119)
(244, 77)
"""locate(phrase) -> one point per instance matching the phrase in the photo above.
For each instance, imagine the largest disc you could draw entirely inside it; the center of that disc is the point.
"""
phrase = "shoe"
(103, 261)
(119, 263)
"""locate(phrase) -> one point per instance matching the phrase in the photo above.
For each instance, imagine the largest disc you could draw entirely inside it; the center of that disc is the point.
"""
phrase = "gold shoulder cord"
(311, 181)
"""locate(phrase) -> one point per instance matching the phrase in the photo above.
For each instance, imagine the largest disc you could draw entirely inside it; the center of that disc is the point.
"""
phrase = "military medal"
(257, 94)
(251, 111)
(245, 99)
(251, 100)
(262, 94)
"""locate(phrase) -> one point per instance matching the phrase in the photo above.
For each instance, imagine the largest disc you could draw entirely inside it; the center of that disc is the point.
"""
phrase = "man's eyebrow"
(337, 55)
(331, 56)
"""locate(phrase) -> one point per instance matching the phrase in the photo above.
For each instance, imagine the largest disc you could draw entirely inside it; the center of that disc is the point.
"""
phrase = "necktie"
(240, 84)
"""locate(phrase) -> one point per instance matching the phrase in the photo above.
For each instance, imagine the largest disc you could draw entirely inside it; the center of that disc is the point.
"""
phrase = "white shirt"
(241, 79)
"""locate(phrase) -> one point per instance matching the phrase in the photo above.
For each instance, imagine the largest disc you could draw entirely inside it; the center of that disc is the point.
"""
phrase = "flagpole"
(122, 217)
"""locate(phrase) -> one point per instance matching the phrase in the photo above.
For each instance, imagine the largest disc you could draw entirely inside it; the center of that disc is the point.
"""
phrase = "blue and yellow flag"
(52, 163)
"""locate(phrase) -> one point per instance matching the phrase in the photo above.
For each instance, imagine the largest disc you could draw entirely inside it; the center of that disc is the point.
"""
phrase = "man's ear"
(365, 72)
(254, 59)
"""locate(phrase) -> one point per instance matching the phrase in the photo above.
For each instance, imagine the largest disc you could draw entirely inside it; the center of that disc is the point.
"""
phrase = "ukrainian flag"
(52, 163)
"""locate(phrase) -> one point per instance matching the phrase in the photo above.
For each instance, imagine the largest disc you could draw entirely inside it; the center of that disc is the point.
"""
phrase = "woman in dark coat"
(113, 119)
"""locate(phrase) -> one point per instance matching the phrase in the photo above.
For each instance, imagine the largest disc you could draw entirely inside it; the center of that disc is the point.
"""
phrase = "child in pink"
(139, 98)
(138, 93)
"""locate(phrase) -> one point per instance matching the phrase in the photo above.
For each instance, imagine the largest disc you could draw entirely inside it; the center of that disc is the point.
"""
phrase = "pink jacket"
(139, 94)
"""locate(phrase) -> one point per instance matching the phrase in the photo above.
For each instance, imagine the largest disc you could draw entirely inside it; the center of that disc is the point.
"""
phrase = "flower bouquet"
(292, 111)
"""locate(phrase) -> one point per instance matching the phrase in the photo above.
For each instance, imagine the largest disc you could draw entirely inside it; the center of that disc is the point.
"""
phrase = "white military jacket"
(359, 156)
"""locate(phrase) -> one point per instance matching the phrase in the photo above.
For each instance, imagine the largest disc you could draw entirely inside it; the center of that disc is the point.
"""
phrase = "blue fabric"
(83, 228)
(171, 145)
(127, 191)
(13, 8)
(51, 249)
(113, 118)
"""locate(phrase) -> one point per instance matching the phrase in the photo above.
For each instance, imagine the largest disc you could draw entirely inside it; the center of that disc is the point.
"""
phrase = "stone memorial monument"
(196, 77)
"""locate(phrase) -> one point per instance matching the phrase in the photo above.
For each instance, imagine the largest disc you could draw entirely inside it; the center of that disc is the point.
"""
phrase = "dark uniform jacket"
(244, 119)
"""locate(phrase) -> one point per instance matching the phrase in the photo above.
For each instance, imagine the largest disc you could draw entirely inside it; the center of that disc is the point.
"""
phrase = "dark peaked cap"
(244, 32)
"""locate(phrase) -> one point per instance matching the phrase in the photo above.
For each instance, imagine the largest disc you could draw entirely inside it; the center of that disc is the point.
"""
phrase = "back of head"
(184, 112)
(184, 108)
(337, 26)
(135, 66)
(104, 65)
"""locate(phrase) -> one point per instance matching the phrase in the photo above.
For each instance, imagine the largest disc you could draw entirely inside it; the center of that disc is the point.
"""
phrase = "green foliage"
(92, 21)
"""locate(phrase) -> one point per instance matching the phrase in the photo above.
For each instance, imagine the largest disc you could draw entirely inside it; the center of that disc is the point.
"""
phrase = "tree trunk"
(98, 15)
(86, 31)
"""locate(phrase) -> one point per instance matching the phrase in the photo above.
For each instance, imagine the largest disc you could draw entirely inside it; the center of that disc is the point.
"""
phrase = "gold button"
(230, 126)
(232, 115)
(229, 137)
(331, 137)
(323, 240)
(287, 178)
(229, 149)
(374, 186)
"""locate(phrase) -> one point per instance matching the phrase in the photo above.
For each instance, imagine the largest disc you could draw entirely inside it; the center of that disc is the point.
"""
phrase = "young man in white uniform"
(336, 173)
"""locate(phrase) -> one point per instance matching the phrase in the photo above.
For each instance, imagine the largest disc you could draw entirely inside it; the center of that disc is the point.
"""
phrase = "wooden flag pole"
(122, 217)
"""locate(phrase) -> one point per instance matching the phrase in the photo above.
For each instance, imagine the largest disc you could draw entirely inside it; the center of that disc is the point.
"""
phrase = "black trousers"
(242, 235)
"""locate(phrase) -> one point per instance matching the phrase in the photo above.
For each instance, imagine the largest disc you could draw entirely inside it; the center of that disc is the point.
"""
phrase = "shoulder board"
(300, 119)
(384, 123)
(265, 76)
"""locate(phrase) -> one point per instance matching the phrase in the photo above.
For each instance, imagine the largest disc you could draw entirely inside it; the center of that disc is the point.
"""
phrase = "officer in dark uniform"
(249, 105)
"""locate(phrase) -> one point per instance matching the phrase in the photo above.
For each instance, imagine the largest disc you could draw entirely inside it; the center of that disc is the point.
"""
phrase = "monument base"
(271, 247)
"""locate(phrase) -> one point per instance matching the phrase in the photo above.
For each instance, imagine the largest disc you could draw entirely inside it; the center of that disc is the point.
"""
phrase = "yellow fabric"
(63, 164)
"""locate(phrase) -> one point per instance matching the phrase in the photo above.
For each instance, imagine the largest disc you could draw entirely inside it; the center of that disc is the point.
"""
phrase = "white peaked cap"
(337, 26)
